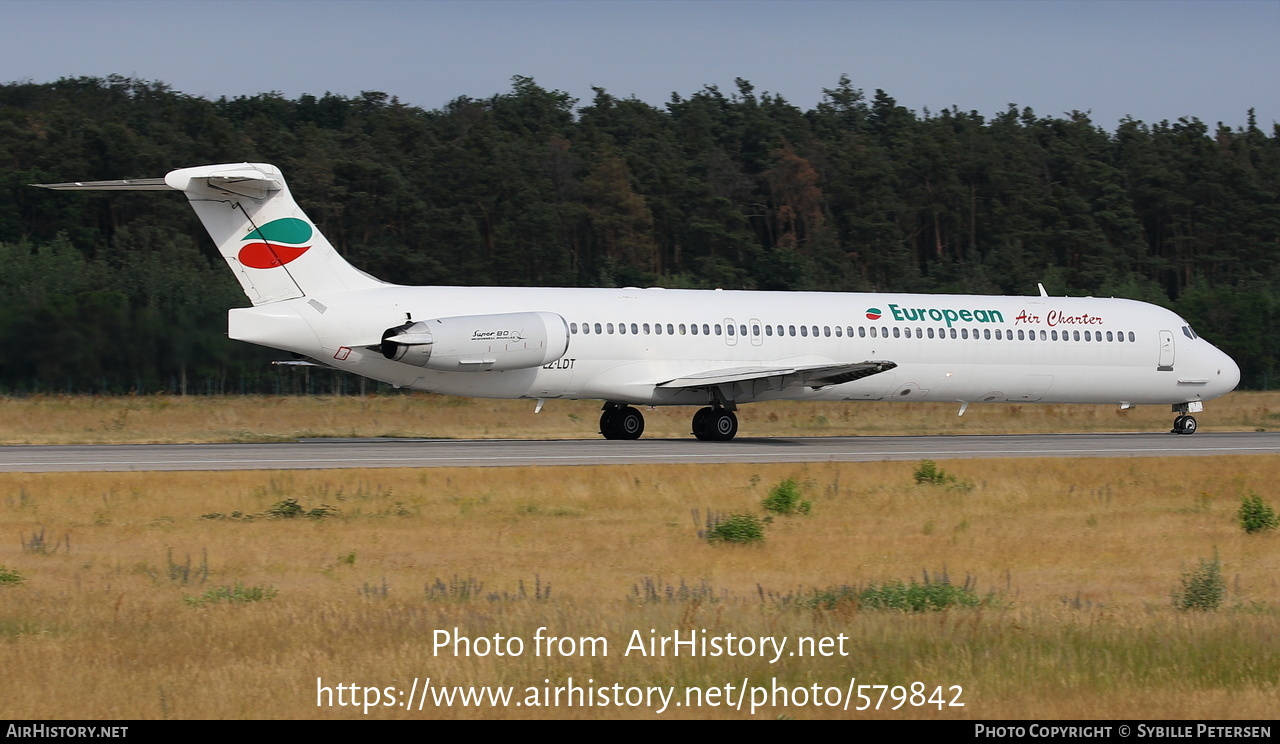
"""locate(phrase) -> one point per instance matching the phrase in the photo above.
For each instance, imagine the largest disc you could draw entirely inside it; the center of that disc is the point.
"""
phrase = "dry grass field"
(110, 604)
(164, 418)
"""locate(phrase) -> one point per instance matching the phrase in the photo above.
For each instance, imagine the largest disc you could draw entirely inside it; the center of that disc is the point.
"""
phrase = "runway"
(427, 453)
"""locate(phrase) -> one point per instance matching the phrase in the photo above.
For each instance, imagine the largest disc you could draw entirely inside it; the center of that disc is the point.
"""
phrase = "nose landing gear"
(1185, 424)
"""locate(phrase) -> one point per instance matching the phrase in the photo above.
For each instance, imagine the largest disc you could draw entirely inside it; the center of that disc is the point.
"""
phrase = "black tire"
(609, 423)
(723, 425)
(629, 423)
(1188, 425)
(700, 428)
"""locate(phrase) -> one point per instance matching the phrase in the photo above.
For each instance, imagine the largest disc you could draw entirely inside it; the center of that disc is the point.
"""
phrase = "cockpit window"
(1189, 332)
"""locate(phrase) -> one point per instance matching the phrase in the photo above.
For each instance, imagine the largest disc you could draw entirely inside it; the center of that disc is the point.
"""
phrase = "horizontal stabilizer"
(124, 184)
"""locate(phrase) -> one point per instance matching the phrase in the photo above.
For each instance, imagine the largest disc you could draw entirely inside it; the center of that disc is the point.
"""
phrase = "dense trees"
(739, 189)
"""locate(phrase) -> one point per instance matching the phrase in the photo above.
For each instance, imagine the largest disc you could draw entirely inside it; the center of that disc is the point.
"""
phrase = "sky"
(1152, 60)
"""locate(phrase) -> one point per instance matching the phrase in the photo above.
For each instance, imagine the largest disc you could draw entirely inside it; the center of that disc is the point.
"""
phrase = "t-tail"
(272, 247)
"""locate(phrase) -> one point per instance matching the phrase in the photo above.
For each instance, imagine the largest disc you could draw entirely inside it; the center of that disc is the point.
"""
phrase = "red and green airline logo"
(275, 244)
(873, 313)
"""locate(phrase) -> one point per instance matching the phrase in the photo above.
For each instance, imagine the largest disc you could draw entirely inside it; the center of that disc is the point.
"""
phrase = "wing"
(814, 376)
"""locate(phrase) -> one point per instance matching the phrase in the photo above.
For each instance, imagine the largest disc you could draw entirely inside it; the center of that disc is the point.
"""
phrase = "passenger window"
(862, 331)
(1108, 335)
(815, 331)
(964, 333)
(755, 330)
(622, 328)
(742, 330)
(730, 330)
(682, 329)
(693, 328)
(930, 333)
(953, 333)
(804, 331)
(670, 330)
(839, 332)
(646, 329)
(1131, 337)
(768, 330)
(1021, 335)
(1044, 336)
(657, 328)
(706, 329)
(573, 328)
(998, 335)
(873, 331)
(717, 329)
(1075, 335)
(896, 332)
(598, 329)
(848, 330)
(986, 333)
(609, 327)
(826, 331)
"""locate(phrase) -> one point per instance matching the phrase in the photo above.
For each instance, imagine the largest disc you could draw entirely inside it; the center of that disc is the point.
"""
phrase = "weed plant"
(1256, 516)
(232, 594)
(10, 576)
(737, 528)
(786, 498)
(1203, 587)
(929, 474)
(41, 545)
(928, 595)
(650, 590)
(465, 590)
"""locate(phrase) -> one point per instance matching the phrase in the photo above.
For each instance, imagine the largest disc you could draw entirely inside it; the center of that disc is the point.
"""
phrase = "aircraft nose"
(1228, 375)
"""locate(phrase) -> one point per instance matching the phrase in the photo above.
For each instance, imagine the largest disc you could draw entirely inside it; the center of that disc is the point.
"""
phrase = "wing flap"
(815, 375)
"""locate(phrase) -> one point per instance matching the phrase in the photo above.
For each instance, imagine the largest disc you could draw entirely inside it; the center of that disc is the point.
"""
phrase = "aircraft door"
(1166, 351)
(730, 332)
(756, 331)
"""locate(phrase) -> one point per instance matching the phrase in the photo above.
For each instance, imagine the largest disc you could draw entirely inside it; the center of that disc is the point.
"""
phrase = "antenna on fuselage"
(1042, 292)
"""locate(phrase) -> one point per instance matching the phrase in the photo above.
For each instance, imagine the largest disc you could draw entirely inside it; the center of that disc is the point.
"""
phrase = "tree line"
(733, 189)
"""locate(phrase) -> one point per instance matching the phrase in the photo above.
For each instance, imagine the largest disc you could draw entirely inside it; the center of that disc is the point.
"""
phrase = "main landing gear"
(713, 424)
(620, 421)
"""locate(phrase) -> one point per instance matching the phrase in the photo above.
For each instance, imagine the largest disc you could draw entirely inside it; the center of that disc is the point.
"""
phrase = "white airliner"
(658, 347)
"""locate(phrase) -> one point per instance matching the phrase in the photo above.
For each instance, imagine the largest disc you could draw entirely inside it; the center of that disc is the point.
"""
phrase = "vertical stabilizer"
(272, 247)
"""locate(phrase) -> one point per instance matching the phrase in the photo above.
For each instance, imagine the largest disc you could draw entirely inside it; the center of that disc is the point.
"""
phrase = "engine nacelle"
(479, 343)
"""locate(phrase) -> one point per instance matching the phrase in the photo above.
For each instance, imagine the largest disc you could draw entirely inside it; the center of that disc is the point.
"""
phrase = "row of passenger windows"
(708, 329)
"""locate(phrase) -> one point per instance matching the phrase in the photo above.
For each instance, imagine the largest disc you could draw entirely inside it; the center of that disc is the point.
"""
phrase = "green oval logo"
(284, 230)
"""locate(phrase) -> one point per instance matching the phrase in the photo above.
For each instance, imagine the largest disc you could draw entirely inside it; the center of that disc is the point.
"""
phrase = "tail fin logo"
(275, 244)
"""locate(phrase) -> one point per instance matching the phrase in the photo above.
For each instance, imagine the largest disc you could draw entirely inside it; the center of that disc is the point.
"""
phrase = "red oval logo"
(873, 316)
(268, 255)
